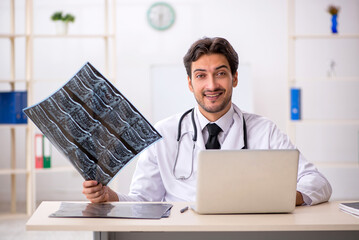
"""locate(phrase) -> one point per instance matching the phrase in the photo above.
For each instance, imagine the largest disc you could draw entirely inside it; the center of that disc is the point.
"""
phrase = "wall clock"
(161, 16)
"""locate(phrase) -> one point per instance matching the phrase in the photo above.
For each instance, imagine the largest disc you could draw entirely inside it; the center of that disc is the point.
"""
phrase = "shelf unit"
(13, 171)
(109, 37)
(293, 81)
(324, 36)
(74, 36)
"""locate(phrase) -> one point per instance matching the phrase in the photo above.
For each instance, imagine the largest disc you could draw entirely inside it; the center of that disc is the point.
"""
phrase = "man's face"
(212, 83)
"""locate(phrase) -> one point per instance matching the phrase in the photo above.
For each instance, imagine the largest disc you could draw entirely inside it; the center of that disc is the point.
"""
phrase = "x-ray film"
(93, 125)
(113, 210)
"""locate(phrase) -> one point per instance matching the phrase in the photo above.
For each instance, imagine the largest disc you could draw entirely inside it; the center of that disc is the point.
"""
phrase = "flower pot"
(61, 27)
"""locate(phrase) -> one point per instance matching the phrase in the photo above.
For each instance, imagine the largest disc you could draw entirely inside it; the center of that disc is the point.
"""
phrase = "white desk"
(324, 221)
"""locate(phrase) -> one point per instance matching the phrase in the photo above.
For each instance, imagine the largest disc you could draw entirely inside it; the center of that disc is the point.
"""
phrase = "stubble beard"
(213, 109)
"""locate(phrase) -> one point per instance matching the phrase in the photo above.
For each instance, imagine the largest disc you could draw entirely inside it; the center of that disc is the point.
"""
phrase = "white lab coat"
(153, 179)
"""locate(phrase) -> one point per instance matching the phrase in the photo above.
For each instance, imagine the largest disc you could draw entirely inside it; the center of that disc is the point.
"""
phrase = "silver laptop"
(246, 181)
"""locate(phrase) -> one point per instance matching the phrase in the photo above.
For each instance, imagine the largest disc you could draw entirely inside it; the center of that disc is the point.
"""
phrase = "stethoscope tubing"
(195, 140)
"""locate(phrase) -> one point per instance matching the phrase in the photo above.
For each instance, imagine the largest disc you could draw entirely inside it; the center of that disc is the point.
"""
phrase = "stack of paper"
(351, 208)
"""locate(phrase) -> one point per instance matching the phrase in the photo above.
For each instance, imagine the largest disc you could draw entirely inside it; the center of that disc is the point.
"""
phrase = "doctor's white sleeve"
(146, 182)
(315, 188)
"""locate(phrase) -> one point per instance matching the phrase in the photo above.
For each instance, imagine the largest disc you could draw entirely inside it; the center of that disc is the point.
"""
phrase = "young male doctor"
(166, 171)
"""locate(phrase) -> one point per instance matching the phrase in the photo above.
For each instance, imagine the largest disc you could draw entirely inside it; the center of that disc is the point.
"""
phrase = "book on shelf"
(46, 152)
(93, 125)
(351, 208)
(42, 151)
(295, 103)
(39, 162)
(11, 105)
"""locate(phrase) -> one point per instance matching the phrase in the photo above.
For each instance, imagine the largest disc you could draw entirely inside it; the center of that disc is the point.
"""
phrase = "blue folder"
(11, 105)
(295, 105)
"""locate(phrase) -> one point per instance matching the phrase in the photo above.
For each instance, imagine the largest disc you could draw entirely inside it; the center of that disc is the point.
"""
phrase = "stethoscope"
(194, 139)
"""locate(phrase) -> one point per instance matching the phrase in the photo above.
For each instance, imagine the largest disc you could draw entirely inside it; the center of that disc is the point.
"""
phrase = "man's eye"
(221, 74)
(200, 76)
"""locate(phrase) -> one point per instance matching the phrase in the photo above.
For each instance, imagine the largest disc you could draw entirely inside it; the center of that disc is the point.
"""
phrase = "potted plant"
(62, 22)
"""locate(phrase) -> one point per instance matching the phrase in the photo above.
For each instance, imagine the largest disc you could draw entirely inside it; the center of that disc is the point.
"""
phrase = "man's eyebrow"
(204, 70)
(222, 66)
(199, 70)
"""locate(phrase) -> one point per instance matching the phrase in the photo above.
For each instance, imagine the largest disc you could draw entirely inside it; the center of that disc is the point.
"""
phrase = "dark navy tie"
(212, 142)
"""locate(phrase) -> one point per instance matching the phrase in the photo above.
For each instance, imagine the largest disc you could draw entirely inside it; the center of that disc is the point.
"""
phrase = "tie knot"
(213, 129)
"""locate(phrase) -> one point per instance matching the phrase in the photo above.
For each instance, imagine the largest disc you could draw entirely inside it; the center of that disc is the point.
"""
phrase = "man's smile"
(213, 95)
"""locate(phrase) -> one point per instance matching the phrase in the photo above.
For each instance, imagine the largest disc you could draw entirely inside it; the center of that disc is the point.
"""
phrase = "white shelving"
(74, 36)
(323, 36)
(109, 38)
(323, 122)
(12, 35)
(12, 126)
(335, 79)
(338, 164)
(310, 84)
(55, 169)
(13, 171)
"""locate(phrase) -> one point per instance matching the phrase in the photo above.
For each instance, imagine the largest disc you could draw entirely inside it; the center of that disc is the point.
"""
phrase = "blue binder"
(295, 106)
(11, 105)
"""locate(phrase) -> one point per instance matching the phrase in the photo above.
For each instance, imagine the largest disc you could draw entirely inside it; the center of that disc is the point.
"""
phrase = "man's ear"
(189, 83)
(235, 80)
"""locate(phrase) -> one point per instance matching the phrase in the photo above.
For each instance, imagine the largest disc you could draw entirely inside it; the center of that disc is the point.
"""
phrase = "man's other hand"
(299, 199)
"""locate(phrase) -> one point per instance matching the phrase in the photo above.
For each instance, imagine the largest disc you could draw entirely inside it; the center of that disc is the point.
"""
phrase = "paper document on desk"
(93, 125)
(113, 210)
(351, 208)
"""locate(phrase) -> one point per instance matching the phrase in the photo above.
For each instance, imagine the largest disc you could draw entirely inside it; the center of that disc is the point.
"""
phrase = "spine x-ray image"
(93, 125)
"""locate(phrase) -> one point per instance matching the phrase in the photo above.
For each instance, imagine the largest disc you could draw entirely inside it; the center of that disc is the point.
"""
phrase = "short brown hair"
(209, 46)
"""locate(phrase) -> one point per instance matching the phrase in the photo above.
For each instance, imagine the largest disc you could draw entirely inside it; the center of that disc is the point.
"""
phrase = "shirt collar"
(224, 122)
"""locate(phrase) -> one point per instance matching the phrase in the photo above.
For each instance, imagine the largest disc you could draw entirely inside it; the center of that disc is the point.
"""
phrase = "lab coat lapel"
(188, 128)
(200, 143)
(234, 139)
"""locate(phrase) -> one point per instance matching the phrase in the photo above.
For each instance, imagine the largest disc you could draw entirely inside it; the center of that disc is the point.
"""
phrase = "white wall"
(258, 35)
(256, 28)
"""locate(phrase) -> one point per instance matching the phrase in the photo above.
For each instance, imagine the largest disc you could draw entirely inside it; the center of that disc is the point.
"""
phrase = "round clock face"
(161, 16)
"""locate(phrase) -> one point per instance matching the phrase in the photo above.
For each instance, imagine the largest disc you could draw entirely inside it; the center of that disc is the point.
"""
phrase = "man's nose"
(212, 83)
